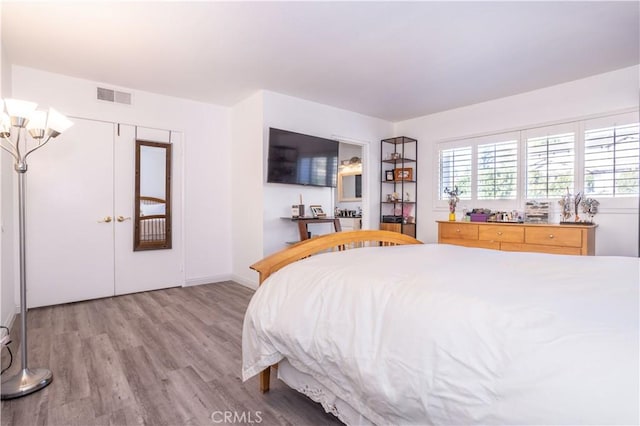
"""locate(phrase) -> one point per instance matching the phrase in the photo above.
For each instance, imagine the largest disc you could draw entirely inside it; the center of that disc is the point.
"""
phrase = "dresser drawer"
(472, 243)
(458, 231)
(555, 236)
(539, 248)
(511, 234)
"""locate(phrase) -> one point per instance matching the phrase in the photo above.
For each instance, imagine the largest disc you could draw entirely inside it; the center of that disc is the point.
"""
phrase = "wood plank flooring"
(166, 357)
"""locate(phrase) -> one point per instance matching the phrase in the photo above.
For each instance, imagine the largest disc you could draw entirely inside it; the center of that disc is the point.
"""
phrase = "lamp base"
(26, 381)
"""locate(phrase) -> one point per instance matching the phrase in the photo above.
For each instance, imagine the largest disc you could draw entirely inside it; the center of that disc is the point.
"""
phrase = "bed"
(152, 220)
(398, 332)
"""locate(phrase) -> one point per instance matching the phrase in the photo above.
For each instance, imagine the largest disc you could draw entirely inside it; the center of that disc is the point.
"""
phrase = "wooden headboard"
(329, 242)
(151, 200)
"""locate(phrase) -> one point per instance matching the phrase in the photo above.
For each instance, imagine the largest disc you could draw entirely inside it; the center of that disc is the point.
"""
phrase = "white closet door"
(69, 193)
(149, 269)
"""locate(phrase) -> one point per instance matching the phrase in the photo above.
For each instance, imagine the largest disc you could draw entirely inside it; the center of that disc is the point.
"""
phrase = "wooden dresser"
(543, 238)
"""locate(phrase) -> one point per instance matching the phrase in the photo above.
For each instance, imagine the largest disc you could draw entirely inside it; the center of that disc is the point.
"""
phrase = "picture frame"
(317, 211)
(388, 175)
(403, 173)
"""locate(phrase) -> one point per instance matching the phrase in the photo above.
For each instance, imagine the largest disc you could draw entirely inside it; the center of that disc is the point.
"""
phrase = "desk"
(304, 221)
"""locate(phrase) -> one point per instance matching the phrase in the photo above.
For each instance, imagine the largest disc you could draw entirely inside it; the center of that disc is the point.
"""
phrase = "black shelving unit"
(399, 176)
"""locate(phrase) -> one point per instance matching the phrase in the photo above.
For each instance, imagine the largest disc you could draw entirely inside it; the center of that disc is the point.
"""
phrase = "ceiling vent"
(110, 95)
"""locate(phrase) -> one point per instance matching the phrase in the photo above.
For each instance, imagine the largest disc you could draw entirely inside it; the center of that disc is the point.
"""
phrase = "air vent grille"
(106, 94)
(110, 95)
(123, 98)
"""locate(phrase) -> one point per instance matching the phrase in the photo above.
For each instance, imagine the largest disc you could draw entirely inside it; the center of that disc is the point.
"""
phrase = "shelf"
(309, 218)
(399, 161)
(399, 140)
(397, 202)
(404, 183)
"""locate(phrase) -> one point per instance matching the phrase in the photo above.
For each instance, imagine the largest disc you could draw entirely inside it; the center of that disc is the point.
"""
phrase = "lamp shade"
(38, 120)
(36, 124)
(5, 123)
(20, 110)
(57, 123)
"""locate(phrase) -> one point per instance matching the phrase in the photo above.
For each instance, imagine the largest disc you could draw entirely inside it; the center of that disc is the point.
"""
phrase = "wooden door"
(69, 193)
(149, 269)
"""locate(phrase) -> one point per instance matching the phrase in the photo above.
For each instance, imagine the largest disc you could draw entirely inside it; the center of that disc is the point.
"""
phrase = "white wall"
(246, 187)
(7, 210)
(298, 115)
(258, 206)
(617, 233)
(206, 156)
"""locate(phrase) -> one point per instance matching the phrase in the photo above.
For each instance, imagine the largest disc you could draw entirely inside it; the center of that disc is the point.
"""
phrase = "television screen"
(300, 159)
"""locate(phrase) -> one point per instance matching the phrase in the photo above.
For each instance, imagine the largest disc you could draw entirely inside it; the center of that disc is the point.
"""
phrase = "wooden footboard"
(331, 242)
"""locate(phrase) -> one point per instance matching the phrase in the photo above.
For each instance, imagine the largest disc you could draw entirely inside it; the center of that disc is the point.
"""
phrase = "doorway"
(80, 205)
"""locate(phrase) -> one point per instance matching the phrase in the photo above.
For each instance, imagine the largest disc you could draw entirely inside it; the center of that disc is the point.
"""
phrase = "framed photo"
(317, 211)
(405, 173)
(388, 175)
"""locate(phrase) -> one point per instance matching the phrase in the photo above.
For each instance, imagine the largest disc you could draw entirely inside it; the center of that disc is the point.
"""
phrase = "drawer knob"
(457, 229)
(550, 235)
(499, 232)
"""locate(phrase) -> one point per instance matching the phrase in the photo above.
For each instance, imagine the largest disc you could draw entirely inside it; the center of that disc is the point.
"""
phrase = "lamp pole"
(42, 127)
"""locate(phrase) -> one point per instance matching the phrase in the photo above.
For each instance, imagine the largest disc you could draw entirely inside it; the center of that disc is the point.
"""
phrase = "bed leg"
(265, 375)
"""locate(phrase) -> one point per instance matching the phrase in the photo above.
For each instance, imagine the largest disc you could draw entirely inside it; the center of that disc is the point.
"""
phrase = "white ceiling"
(393, 60)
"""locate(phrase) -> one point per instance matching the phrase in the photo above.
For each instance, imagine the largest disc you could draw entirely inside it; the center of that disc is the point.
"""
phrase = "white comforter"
(439, 334)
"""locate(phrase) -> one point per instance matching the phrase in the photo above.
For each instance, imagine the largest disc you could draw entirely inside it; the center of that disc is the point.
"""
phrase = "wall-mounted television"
(300, 159)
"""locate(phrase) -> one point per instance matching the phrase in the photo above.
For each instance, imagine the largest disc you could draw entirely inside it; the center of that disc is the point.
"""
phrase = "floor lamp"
(22, 118)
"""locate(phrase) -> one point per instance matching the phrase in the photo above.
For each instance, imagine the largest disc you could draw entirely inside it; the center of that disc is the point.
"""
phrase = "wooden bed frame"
(338, 241)
(151, 200)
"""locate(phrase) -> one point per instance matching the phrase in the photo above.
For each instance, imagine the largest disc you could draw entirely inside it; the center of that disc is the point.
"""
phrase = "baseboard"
(8, 321)
(206, 280)
(244, 282)
(219, 278)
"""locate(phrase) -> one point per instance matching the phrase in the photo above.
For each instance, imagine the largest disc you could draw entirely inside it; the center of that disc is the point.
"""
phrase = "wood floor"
(166, 357)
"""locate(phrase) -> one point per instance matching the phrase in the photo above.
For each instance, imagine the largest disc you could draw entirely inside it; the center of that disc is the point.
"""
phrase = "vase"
(452, 216)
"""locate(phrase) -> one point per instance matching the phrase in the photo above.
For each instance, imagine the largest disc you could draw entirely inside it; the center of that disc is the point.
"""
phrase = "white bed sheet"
(439, 334)
(308, 385)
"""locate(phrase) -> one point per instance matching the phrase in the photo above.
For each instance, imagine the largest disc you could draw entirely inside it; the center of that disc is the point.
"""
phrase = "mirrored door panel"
(152, 230)
(147, 267)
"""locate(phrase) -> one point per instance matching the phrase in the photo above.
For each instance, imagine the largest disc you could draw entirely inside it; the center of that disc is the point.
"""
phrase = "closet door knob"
(122, 218)
(107, 219)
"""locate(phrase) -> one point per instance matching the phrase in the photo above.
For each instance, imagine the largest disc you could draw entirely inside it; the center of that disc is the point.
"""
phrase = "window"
(599, 157)
(611, 158)
(497, 174)
(550, 163)
(455, 170)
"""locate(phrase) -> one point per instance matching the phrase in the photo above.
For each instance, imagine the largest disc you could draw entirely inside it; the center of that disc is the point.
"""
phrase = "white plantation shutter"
(611, 159)
(455, 170)
(550, 165)
(497, 171)
(599, 157)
